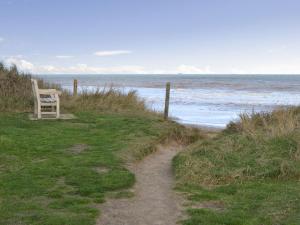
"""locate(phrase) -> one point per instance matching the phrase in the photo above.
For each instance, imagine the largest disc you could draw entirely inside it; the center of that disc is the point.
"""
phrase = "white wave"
(212, 105)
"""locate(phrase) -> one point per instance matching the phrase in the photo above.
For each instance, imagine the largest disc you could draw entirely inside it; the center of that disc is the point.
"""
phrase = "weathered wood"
(37, 102)
(49, 91)
(57, 106)
(75, 87)
(48, 113)
(167, 100)
(45, 98)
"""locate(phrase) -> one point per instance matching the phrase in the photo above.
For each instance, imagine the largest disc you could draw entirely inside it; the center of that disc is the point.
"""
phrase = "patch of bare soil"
(155, 202)
(101, 170)
(78, 148)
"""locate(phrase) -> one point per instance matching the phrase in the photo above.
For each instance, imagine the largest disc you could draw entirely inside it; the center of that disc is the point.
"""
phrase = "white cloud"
(20, 63)
(189, 69)
(23, 64)
(112, 53)
(1, 39)
(27, 66)
(84, 68)
(64, 56)
(273, 68)
(278, 68)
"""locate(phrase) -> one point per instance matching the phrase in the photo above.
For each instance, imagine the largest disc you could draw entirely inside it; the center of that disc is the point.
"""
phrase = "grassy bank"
(56, 172)
(248, 174)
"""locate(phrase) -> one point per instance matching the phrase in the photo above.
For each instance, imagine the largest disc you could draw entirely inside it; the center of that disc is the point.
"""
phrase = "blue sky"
(151, 36)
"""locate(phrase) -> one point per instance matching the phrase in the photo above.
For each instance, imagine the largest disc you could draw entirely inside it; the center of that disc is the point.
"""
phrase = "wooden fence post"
(75, 87)
(167, 100)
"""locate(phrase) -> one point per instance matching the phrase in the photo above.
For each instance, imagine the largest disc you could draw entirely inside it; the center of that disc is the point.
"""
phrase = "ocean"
(205, 100)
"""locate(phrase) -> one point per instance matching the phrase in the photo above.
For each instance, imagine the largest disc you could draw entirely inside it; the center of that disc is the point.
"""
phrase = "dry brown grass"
(259, 146)
(103, 100)
(253, 167)
(280, 122)
(16, 96)
(16, 90)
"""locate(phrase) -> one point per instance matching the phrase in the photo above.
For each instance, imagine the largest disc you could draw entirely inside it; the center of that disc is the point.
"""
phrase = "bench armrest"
(49, 92)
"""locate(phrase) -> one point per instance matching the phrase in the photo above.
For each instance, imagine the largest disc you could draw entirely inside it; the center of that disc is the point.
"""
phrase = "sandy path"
(154, 203)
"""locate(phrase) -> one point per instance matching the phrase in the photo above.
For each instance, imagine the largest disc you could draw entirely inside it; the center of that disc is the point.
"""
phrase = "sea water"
(206, 100)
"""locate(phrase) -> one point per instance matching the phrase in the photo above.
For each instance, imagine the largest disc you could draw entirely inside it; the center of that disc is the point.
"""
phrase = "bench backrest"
(35, 89)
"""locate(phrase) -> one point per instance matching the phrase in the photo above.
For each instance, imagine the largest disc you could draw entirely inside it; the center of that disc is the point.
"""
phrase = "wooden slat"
(48, 100)
(49, 92)
(48, 103)
(49, 113)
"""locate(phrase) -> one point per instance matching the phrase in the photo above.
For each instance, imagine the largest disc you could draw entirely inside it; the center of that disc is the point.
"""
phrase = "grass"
(57, 172)
(16, 96)
(106, 100)
(45, 180)
(251, 169)
(16, 91)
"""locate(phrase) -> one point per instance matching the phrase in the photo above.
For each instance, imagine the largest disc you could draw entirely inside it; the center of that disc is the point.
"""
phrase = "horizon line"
(177, 74)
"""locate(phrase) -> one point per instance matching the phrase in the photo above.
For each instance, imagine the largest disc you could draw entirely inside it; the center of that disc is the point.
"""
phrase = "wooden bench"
(43, 99)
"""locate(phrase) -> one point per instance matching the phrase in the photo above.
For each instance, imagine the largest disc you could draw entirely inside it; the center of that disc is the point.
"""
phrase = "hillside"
(247, 174)
(56, 172)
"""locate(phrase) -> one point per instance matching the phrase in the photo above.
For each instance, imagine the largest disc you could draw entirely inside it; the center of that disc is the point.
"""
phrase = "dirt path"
(154, 203)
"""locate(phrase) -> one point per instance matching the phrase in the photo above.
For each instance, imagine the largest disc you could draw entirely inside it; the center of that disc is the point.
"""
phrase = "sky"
(151, 36)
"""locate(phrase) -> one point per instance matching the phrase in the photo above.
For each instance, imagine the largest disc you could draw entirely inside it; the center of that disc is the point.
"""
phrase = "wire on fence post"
(167, 100)
(75, 87)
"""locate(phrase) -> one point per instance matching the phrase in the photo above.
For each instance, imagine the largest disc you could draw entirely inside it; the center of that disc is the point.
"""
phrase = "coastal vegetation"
(58, 171)
(16, 96)
(247, 174)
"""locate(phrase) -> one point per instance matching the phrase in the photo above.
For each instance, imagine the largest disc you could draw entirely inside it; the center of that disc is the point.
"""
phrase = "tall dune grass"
(103, 100)
(259, 146)
(15, 89)
(280, 122)
(16, 96)
(251, 170)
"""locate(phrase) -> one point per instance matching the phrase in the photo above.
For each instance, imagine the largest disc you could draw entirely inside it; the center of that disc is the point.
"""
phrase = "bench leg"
(39, 111)
(57, 108)
(35, 109)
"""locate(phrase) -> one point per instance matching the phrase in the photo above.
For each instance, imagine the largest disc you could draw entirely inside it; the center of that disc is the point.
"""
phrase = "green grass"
(43, 181)
(56, 172)
(247, 203)
(251, 169)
